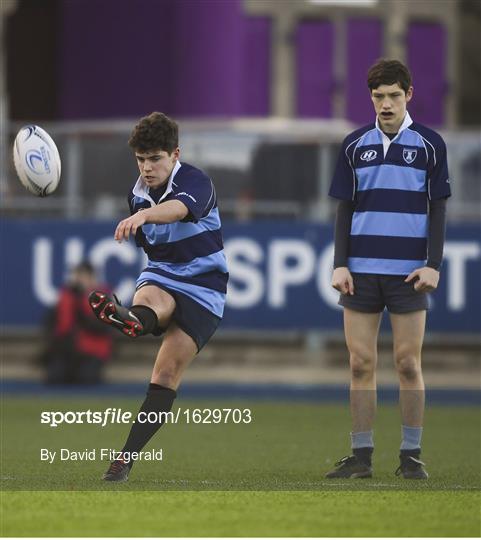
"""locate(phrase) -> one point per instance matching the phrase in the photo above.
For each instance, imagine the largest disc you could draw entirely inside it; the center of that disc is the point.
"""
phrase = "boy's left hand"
(427, 279)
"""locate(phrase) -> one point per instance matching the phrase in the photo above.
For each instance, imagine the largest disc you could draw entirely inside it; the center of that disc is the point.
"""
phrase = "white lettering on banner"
(74, 253)
(324, 278)
(457, 254)
(42, 252)
(242, 254)
(42, 286)
(281, 274)
(256, 273)
(43, 257)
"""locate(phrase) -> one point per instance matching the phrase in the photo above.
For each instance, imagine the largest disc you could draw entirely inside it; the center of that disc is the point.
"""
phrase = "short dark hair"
(386, 71)
(155, 132)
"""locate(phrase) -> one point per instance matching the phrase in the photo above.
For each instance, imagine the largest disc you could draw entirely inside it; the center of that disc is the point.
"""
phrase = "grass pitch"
(259, 479)
(241, 513)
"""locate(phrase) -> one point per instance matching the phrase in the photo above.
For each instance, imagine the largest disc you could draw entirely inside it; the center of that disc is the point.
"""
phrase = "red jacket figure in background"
(80, 345)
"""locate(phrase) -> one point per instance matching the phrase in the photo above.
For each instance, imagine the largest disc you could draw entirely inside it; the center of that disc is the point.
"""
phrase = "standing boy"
(392, 181)
(181, 293)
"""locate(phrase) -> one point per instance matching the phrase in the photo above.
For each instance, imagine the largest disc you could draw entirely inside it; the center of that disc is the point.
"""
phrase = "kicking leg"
(152, 307)
(151, 298)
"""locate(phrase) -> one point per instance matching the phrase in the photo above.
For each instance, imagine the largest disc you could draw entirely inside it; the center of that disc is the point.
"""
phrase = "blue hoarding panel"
(280, 273)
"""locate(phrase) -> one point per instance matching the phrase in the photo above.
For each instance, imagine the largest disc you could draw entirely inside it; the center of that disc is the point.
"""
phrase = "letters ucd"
(280, 273)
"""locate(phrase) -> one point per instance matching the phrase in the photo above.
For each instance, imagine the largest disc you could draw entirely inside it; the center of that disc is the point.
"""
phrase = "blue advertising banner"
(280, 273)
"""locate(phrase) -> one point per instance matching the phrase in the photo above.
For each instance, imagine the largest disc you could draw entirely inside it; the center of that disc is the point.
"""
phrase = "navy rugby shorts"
(374, 292)
(195, 320)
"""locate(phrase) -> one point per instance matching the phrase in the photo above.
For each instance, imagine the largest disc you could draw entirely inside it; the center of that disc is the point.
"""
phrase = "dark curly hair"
(155, 132)
(388, 72)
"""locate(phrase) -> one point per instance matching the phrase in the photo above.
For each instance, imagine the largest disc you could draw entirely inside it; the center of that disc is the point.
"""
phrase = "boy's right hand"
(342, 280)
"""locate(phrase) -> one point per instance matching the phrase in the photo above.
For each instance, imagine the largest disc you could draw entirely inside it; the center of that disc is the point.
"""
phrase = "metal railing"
(98, 169)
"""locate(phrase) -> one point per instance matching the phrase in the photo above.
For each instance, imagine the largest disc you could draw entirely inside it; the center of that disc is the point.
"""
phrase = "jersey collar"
(386, 141)
(142, 190)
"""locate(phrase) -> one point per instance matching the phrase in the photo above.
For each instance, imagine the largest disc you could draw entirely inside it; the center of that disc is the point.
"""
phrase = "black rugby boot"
(118, 471)
(109, 310)
(411, 468)
(350, 467)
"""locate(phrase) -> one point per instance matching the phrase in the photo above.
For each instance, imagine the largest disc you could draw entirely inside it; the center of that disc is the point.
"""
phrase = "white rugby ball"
(37, 160)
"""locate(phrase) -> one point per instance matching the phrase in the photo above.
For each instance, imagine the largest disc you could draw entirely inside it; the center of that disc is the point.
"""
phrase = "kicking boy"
(392, 181)
(181, 293)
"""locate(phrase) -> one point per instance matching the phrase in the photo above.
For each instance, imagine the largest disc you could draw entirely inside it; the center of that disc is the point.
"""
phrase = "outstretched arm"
(167, 212)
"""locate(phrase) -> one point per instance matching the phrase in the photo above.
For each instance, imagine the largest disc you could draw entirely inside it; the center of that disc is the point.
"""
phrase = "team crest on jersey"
(409, 155)
(368, 155)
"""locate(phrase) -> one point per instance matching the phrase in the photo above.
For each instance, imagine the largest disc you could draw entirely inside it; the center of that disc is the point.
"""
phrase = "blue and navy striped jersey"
(186, 256)
(391, 183)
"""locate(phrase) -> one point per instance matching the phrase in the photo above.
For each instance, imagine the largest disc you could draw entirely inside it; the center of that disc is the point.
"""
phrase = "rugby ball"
(37, 160)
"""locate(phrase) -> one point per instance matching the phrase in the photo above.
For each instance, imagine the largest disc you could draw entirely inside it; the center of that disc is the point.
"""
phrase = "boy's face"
(390, 105)
(155, 166)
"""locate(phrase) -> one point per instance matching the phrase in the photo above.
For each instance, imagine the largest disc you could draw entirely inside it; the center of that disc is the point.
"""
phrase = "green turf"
(244, 513)
(265, 478)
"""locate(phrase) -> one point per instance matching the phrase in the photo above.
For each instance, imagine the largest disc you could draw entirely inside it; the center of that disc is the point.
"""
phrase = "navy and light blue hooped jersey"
(391, 183)
(185, 256)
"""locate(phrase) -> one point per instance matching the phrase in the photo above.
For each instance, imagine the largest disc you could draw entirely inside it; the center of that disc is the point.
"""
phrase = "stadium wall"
(228, 58)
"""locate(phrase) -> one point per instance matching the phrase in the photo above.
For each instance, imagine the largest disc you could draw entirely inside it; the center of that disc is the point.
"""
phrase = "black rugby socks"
(147, 317)
(159, 400)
